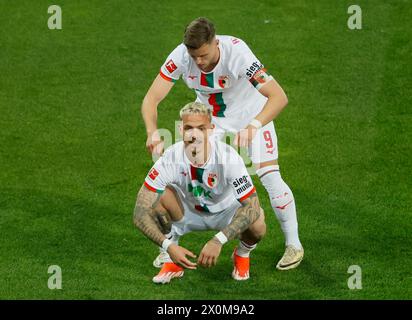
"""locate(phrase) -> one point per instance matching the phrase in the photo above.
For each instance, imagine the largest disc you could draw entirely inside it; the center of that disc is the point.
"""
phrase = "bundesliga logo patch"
(153, 174)
(170, 66)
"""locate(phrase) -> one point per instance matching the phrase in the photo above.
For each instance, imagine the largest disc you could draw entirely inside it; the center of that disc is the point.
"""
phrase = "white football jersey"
(215, 186)
(230, 89)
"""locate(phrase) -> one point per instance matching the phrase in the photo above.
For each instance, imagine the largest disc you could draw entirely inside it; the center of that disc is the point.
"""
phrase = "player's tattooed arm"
(146, 218)
(244, 217)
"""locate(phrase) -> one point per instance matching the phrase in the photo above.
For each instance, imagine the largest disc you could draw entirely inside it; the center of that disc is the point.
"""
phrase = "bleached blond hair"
(195, 108)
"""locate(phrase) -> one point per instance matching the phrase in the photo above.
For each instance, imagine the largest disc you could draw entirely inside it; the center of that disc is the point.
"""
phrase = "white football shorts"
(194, 220)
(264, 146)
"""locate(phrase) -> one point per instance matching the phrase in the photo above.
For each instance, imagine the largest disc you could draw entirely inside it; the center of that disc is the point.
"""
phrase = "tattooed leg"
(152, 212)
(256, 231)
(170, 204)
(244, 217)
(168, 209)
(144, 216)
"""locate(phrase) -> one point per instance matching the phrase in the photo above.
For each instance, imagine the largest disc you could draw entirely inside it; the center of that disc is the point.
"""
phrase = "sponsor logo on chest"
(198, 191)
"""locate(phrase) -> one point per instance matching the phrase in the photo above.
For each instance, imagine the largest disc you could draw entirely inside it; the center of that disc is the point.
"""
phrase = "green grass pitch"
(72, 147)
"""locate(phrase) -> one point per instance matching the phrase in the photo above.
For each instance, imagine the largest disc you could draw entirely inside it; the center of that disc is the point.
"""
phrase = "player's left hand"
(245, 136)
(209, 254)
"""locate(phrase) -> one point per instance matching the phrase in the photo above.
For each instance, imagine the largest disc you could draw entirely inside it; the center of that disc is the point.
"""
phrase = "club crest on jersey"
(153, 174)
(170, 66)
(223, 81)
(212, 180)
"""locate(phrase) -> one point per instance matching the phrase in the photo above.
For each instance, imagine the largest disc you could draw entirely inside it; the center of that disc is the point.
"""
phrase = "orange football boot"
(241, 267)
(169, 271)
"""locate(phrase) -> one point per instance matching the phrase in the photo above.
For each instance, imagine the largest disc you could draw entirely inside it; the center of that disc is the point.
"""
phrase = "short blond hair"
(195, 108)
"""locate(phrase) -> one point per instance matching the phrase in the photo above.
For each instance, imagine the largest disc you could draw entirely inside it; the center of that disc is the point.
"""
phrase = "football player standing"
(245, 99)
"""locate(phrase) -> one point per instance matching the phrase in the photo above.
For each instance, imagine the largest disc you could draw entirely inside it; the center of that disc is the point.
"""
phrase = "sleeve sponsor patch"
(251, 70)
(242, 185)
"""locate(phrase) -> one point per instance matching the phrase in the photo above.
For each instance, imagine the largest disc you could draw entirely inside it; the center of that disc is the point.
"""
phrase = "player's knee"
(170, 203)
(163, 218)
(258, 235)
(258, 229)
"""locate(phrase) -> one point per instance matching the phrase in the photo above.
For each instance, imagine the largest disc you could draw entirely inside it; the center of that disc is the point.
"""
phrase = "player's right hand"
(178, 255)
(154, 144)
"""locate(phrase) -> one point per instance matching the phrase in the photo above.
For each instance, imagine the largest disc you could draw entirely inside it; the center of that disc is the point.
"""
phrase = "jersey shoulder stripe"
(166, 77)
(149, 187)
(247, 195)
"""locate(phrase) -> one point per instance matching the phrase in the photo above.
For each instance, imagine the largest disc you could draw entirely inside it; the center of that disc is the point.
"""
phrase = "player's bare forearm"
(277, 101)
(156, 93)
(144, 216)
(243, 218)
(149, 114)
